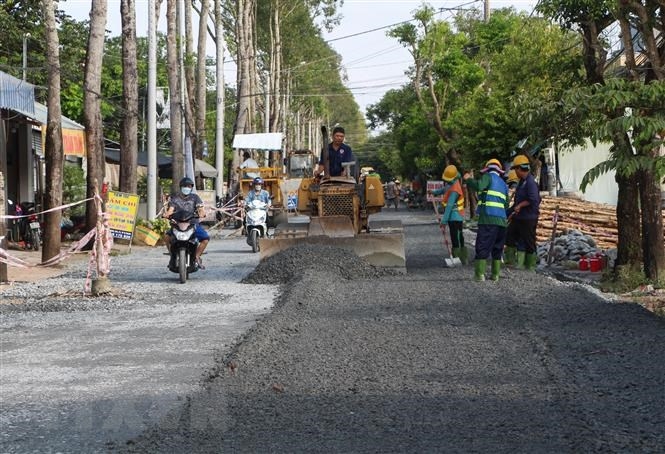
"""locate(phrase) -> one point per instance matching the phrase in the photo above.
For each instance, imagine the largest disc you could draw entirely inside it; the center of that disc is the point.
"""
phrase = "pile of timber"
(594, 219)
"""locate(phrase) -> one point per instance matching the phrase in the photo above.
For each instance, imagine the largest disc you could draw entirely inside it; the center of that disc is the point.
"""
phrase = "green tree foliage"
(485, 76)
(635, 99)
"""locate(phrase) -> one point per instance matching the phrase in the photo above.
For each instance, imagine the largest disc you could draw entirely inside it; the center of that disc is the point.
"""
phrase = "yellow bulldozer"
(340, 208)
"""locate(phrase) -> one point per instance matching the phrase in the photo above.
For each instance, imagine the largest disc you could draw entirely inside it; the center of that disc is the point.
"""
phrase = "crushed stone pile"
(292, 263)
(570, 246)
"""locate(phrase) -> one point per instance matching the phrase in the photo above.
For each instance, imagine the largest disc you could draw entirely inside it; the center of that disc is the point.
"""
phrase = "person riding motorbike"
(258, 192)
(190, 202)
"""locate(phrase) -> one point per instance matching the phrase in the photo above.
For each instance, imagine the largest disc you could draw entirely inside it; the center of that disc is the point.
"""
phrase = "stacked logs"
(594, 219)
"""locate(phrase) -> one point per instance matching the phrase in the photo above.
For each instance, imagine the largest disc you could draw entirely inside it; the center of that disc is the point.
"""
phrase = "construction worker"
(523, 218)
(453, 210)
(510, 253)
(492, 219)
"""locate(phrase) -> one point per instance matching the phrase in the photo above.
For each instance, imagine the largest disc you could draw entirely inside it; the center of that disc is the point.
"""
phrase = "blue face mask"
(186, 190)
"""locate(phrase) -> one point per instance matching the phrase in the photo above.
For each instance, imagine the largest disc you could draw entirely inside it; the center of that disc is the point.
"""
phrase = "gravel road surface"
(77, 373)
(346, 361)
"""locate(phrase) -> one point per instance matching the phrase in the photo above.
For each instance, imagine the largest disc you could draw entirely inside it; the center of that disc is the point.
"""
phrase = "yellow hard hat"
(512, 177)
(449, 173)
(493, 164)
(496, 162)
(520, 160)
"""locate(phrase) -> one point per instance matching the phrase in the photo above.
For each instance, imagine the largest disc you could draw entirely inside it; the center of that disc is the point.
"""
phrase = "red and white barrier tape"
(5, 257)
(61, 207)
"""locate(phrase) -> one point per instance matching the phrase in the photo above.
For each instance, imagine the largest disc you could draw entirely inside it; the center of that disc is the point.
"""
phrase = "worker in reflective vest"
(453, 210)
(492, 205)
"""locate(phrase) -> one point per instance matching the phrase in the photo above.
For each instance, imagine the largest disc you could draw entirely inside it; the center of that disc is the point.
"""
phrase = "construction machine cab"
(300, 164)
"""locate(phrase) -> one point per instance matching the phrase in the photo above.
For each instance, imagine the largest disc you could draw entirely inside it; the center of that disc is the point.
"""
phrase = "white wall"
(574, 164)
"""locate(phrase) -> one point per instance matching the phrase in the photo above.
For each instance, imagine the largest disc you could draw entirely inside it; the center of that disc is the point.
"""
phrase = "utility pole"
(487, 10)
(25, 56)
(219, 124)
(152, 111)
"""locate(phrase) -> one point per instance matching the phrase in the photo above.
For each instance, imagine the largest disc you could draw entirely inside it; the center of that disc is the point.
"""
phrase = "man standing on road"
(391, 193)
(492, 205)
(523, 218)
(337, 153)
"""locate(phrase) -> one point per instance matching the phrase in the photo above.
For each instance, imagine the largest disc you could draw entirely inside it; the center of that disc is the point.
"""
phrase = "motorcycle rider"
(189, 202)
(259, 193)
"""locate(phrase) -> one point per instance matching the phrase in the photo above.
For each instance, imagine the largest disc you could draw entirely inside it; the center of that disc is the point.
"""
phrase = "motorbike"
(256, 222)
(27, 229)
(183, 244)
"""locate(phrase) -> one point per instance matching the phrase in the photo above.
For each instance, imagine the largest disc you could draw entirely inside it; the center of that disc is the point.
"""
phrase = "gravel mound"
(292, 263)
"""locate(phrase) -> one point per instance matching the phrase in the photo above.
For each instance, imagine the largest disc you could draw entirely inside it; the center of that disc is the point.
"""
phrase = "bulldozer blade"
(384, 247)
(381, 250)
(332, 227)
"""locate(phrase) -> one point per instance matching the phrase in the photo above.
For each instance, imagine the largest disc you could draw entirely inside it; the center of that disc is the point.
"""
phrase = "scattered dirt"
(651, 299)
(35, 273)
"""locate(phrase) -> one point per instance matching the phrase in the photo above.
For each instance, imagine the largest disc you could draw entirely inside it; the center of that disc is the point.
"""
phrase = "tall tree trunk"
(130, 99)
(628, 224)
(92, 113)
(277, 107)
(653, 249)
(54, 148)
(186, 44)
(175, 95)
(201, 81)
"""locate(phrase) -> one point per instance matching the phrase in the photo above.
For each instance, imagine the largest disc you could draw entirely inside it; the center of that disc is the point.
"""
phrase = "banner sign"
(431, 186)
(208, 198)
(122, 209)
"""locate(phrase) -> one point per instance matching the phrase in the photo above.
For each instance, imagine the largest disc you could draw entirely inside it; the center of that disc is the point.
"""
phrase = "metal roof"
(16, 94)
(262, 141)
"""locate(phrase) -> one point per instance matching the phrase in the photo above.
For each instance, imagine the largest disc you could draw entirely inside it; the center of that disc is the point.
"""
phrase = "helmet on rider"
(257, 183)
(186, 182)
(186, 186)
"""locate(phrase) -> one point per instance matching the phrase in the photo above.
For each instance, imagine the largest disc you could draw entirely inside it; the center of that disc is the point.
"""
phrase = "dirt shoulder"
(35, 273)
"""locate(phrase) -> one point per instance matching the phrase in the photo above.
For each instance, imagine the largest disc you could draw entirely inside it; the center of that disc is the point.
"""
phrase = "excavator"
(338, 210)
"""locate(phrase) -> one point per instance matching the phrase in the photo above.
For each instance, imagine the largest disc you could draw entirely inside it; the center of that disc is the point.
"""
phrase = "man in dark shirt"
(338, 152)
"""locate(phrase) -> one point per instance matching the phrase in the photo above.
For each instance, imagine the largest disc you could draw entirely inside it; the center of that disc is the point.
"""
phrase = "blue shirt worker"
(523, 218)
(492, 220)
(190, 202)
(338, 152)
(258, 193)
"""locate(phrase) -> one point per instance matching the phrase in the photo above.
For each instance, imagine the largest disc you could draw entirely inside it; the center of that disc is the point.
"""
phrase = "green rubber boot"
(480, 266)
(510, 255)
(530, 262)
(521, 256)
(464, 255)
(455, 252)
(496, 270)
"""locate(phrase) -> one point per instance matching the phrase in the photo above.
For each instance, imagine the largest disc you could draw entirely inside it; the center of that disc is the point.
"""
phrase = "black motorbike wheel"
(182, 265)
(35, 240)
(254, 240)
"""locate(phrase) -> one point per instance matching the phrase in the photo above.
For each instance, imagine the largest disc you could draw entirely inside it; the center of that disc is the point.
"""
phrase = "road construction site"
(334, 355)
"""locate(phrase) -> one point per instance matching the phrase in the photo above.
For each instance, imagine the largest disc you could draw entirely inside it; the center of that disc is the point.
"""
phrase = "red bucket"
(584, 264)
(595, 264)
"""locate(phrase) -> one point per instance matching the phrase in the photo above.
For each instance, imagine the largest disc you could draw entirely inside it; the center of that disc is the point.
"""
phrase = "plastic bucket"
(595, 264)
(584, 264)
